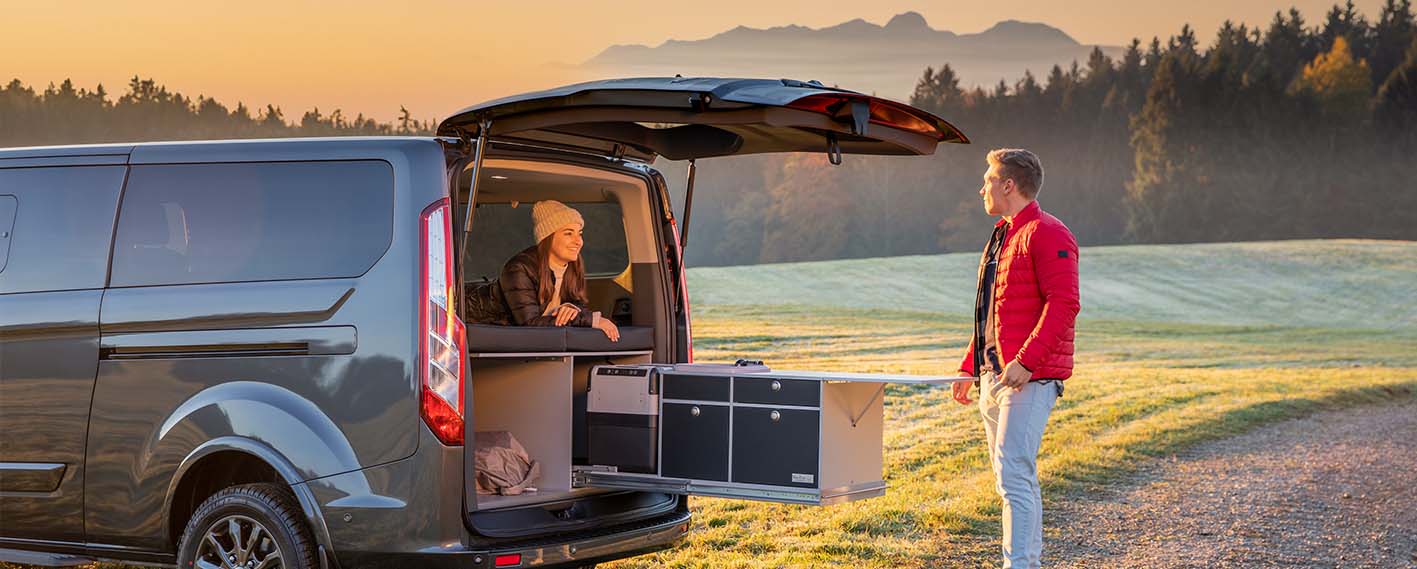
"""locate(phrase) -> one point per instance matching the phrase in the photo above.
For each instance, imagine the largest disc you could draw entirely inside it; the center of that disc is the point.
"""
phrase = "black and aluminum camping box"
(755, 433)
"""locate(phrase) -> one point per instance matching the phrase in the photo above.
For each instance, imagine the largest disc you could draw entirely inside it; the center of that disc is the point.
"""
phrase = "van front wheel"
(251, 526)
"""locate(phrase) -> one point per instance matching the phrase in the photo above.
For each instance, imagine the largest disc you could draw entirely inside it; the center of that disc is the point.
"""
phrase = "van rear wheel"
(251, 526)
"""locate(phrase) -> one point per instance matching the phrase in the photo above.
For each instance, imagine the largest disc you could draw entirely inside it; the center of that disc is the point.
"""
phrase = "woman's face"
(566, 244)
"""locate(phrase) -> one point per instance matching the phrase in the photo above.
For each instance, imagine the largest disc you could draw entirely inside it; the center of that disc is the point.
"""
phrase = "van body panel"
(49, 350)
(242, 305)
(321, 371)
(134, 453)
(57, 230)
(379, 501)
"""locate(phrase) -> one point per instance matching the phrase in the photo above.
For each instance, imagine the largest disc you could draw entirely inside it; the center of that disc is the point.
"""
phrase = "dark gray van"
(248, 354)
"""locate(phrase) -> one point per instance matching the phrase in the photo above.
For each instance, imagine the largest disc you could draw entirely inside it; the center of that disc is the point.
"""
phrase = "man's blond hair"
(1021, 166)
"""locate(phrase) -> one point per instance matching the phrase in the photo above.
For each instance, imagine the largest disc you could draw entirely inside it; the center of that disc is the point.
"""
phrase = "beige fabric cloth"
(503, 466)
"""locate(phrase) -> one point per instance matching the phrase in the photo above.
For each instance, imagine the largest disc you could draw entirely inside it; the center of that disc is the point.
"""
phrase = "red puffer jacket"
(1035, 296)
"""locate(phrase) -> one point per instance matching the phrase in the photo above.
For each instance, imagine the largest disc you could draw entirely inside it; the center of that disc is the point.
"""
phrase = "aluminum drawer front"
(770, 391)
(695, 441)
(696, 387)
(776, 447)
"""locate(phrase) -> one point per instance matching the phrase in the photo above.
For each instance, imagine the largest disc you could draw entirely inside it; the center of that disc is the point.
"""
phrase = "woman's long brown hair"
(572, 282)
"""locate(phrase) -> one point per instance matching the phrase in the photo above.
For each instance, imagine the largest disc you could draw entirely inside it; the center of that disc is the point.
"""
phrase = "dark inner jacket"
(512, 300)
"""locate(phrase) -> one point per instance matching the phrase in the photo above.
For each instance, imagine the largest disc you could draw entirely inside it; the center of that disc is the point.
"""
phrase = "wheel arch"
(245, 460)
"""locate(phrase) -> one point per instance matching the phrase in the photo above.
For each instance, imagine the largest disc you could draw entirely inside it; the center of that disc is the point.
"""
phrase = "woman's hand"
(565, 313)
(611, 330)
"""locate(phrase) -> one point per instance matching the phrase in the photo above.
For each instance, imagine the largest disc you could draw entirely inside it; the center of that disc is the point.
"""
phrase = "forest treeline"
(65, 114)
(1286, 130)
(1289, 130)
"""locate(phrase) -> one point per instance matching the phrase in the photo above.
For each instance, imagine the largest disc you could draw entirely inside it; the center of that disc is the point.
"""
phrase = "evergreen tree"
(1396, 108)
(938, 92)
(1392, 34)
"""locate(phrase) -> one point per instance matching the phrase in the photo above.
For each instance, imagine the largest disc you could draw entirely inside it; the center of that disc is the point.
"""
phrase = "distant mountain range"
(859, 55)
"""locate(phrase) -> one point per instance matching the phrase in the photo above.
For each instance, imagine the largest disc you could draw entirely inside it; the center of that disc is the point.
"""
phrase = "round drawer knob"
(776, 385)
(695, 411)
(775, 416)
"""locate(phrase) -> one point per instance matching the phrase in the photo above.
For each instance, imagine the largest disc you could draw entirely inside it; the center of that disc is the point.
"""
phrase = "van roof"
(329, 147)
(250, 144)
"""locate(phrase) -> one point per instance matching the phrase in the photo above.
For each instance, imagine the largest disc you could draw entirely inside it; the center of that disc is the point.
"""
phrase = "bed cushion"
(632, 338)
(486, 338)
(493, 338)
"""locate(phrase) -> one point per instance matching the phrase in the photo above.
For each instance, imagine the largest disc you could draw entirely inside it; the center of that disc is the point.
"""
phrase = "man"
(1022, 348)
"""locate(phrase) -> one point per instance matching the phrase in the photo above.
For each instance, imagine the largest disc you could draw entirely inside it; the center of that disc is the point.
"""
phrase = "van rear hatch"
(685, 118)
(679, 119)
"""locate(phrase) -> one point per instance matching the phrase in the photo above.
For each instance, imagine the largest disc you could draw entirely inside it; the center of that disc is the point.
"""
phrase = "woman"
(544, 285)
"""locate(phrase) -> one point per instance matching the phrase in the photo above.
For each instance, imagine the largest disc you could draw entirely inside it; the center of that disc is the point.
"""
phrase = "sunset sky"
(436, 56)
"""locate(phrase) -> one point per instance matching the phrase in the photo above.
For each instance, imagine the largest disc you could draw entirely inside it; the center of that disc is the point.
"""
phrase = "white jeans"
(1013, 428)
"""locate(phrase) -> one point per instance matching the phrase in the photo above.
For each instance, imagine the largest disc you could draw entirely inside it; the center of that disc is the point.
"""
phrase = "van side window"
(501, 231)
(59, 221)
(210, 223)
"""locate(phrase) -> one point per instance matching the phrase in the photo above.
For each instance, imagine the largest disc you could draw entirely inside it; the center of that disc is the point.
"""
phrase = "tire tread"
(273, 496)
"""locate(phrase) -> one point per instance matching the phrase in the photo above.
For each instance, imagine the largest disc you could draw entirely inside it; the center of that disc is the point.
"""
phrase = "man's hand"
(960, 390)
(565, 313)
(1015, 375)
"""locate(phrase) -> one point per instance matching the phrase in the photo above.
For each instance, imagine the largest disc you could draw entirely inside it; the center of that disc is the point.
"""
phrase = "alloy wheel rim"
(238, 542)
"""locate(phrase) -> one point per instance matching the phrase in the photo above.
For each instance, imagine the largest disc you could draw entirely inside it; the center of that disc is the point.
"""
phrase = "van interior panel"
(533, 397)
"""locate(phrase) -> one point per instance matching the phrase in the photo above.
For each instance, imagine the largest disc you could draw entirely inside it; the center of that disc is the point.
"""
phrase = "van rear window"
(500, 231)
(210, 223)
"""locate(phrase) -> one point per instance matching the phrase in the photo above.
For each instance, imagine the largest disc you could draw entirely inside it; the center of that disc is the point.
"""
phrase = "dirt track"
(1338, 489)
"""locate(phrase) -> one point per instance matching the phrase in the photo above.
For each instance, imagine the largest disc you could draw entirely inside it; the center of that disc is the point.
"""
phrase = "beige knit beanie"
(549, 216)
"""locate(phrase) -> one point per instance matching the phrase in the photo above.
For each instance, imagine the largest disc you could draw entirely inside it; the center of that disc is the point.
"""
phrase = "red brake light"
(443, 341)
(883, 112)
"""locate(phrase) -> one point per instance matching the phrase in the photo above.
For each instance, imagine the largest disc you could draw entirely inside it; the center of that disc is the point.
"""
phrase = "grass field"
(1332, 283)
(1177, 345)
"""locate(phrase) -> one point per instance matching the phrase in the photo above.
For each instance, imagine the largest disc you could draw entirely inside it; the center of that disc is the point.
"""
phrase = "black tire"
(266, 512)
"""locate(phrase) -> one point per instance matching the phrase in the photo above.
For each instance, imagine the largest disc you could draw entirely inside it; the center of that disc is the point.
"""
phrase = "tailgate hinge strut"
(688, 206)
(482, 142)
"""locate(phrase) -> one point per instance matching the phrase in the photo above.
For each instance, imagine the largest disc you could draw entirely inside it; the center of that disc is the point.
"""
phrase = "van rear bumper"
(589, 547)
(635, 539)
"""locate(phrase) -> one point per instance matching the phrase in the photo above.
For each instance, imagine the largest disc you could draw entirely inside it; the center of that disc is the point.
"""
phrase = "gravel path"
(1337, 489)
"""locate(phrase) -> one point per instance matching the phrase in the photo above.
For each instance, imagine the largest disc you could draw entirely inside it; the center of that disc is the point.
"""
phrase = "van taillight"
(443, 343)
(883, 112)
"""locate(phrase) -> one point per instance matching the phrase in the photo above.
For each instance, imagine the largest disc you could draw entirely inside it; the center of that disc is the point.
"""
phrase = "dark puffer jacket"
(511, 300)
